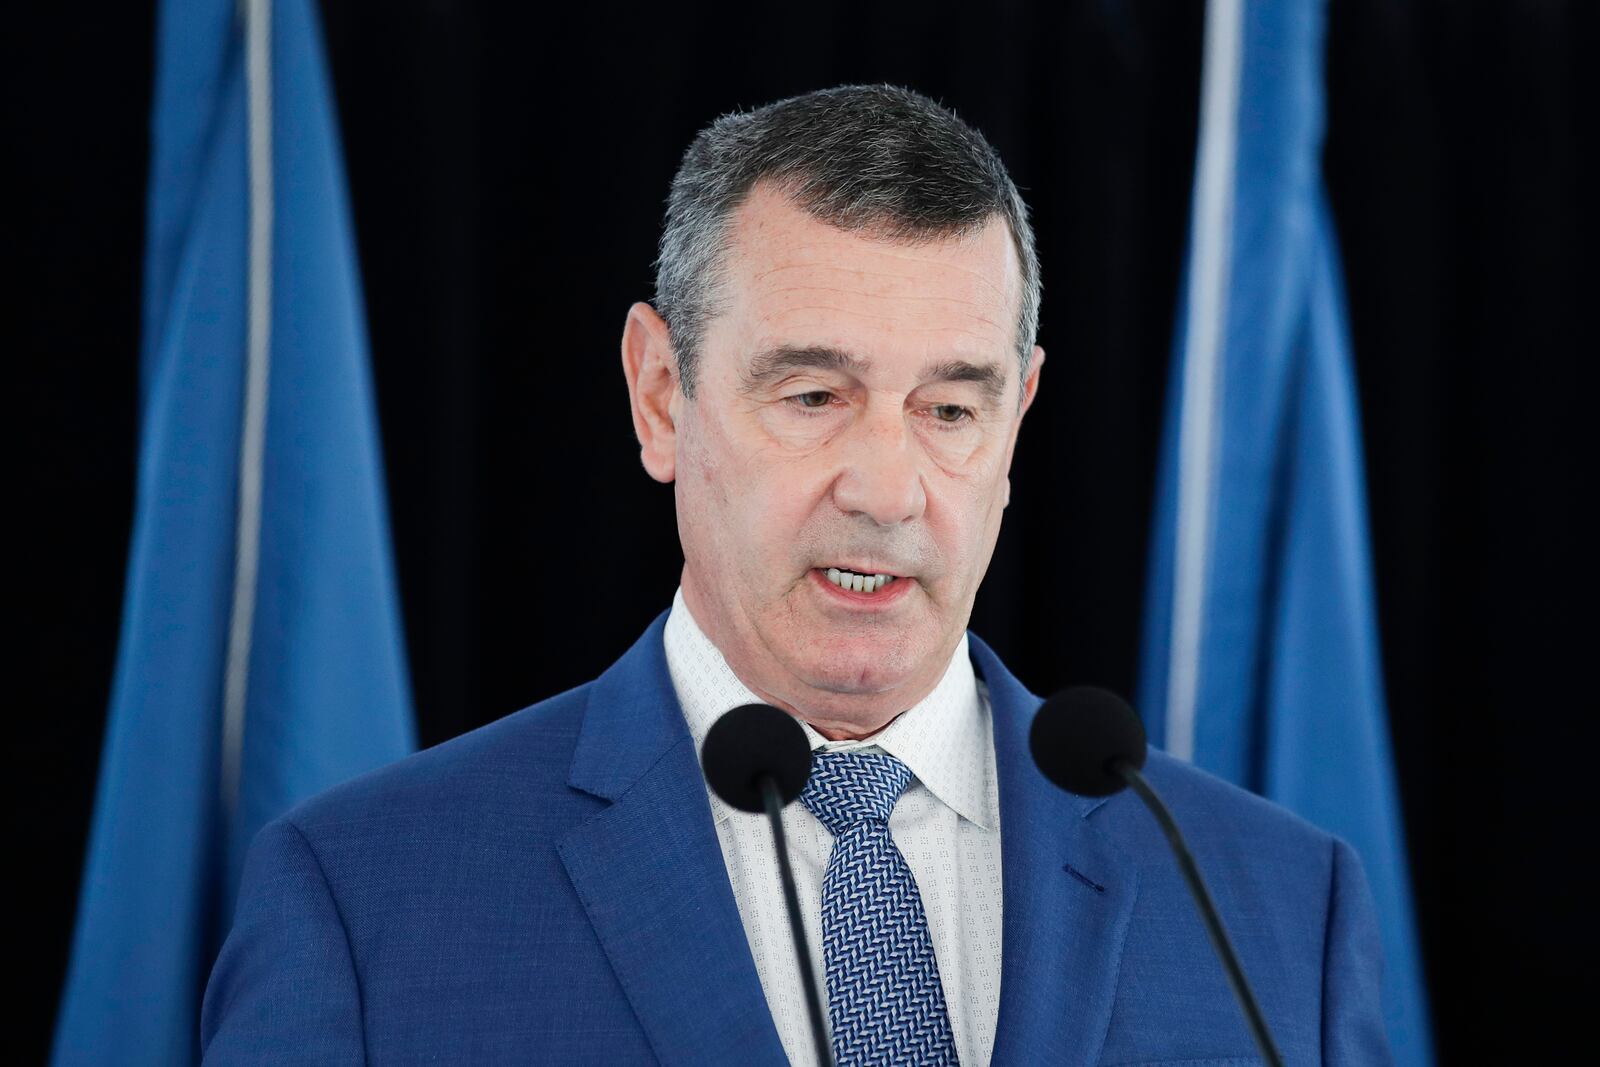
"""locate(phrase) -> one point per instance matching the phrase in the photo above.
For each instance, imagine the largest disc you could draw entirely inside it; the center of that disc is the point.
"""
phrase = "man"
(833, 379)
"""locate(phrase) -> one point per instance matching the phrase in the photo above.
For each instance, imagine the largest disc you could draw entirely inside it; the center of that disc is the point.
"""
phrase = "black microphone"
(1090, 742)
(756, 758)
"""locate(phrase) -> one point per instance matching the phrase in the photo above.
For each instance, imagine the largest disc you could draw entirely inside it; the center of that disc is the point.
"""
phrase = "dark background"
(508, 171)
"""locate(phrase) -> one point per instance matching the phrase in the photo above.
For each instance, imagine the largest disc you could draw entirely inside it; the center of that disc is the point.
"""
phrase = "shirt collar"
(945, 738)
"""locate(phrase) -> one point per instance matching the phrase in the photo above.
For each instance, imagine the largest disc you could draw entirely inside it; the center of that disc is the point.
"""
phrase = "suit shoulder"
(526, 752)
(1208, 807)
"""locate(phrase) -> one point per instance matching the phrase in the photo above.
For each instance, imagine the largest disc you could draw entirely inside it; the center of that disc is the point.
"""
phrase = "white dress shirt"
(946, 824)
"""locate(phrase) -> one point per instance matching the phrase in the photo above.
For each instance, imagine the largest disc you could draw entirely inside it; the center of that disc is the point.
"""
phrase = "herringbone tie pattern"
(885, 1000)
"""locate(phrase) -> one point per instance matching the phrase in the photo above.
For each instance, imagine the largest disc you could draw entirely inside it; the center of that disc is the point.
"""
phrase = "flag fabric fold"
(1261, 659)
(260, 575)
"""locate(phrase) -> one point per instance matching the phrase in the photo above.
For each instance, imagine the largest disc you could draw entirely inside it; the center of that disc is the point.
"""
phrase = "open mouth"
(855, 582)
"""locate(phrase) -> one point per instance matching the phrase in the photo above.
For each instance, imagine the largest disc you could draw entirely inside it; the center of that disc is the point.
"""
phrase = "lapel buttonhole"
(1084, 878)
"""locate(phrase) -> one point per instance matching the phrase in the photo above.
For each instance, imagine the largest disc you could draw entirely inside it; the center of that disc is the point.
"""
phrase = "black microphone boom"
(1089, 741)
(757, 759)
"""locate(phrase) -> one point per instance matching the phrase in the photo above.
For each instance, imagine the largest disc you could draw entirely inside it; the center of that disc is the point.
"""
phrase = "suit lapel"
(650, 873)
(1068, 898)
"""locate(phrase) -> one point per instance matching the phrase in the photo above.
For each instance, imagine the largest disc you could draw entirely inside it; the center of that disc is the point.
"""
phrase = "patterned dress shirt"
(946, 824)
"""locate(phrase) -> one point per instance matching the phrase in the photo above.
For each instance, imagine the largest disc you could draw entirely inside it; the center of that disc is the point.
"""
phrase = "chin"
(860, 671)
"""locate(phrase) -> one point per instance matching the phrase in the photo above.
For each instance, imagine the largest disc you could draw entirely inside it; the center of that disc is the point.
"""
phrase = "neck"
(847, 732)
(833, 725)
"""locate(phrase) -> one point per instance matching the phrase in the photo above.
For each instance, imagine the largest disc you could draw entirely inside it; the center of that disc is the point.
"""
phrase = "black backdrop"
(508, 169)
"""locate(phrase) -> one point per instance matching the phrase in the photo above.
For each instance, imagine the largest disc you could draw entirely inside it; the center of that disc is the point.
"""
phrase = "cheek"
(965, 520)
(746, 504)
(703, 498)
(777, 508)
(716, 464)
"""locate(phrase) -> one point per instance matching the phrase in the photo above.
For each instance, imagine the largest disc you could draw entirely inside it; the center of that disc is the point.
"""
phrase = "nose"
(881, 479)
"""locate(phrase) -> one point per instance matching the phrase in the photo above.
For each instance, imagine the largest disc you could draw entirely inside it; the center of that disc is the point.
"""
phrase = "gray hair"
(872, 158)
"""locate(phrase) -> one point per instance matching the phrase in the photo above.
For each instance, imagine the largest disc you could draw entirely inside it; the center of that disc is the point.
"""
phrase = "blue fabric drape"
(327, 691)
(1287, 691)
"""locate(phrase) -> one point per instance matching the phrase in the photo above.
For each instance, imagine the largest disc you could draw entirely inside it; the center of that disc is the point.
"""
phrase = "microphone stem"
(1208, 911)
(791, 897)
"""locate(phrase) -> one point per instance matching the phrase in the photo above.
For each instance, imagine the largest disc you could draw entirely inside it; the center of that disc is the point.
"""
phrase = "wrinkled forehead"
(791, 279)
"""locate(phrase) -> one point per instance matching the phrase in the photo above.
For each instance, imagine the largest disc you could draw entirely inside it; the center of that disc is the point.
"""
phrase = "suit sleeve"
(1352, 969)
(284, 989)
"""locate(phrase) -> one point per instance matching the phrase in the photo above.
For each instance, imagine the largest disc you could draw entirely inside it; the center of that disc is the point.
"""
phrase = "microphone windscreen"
(1078, 734)
(748, 743)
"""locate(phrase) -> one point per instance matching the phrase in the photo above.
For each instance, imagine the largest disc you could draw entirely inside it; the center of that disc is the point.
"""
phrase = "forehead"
(792, 279)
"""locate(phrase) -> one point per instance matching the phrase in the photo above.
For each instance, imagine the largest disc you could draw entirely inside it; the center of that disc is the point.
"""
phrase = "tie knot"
(846, 788)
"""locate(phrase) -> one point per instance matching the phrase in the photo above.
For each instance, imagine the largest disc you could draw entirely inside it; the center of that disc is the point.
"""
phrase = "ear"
(1030, 389)
(1030, 385)
(652, 373)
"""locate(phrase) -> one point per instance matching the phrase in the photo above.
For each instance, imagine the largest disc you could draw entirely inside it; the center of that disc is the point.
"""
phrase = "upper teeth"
(860, 583)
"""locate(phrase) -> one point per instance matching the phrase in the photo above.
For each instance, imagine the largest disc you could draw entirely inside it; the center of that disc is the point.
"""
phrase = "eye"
(817, 398)
(951, 414)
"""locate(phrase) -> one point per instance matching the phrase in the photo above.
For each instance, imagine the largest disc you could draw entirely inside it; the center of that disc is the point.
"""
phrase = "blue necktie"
(884, 997)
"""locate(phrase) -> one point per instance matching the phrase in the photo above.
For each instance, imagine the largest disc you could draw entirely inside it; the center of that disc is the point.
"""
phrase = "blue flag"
(261, 657)
(1261, 659)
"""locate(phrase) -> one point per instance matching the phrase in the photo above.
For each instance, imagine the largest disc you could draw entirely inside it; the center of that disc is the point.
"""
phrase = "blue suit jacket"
(549, 889)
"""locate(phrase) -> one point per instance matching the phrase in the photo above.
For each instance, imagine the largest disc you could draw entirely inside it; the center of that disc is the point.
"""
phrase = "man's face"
(856, 406)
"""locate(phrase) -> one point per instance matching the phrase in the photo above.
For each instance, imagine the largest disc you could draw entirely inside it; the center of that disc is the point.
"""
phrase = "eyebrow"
(774, 363)
(987, 376)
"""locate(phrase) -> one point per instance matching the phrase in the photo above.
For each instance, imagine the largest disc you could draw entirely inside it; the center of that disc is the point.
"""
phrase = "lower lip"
(884, 598)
